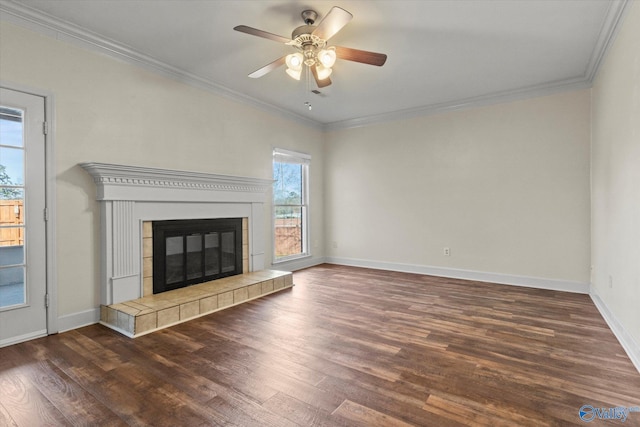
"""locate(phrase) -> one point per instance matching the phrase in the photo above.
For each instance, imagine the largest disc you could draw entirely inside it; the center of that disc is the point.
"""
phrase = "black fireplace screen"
(187, 252)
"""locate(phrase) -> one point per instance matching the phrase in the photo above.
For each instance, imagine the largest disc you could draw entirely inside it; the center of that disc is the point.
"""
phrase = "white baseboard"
(627, 342)
(23, 338)
(298, 264)
(78, 320)
(482, 276)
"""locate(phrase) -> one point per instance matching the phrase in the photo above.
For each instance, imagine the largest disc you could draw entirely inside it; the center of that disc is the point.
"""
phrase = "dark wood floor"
(346, 346)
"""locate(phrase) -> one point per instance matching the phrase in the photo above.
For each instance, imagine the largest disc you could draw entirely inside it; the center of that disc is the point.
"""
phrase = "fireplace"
(188, 252)
(132, 198)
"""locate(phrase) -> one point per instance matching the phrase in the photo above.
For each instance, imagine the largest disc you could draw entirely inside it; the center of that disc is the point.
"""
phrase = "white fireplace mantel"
(130, 195)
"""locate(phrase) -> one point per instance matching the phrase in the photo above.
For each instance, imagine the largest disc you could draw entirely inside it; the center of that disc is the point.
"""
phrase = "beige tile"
(104, 313)
(112, 316)
(240, 295)
(208, 304)
(245, 265)
(245, 223)
(147, 286)
(125, 322)
(189, 310)
(147, 229)
(245, 251)
(288, 280)
(168, 316)
(267, 286)
(147, 267)
(255, 290)
(147, 247)
(146, 322)
(278, 283)
(225, 299)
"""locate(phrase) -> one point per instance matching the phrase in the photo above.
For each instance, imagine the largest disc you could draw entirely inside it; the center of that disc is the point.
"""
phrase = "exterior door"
(23, 287)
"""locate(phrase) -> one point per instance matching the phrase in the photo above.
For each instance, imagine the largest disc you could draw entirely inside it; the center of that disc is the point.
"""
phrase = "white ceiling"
(441, 54)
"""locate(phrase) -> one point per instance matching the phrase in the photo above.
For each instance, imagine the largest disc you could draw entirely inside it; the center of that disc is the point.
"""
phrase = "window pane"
(194, 256)
(10, 252)
(11, 166)
(211, 254)
(11, 210)
(287, 188)
(288, 231)
(228, 251)
(174, 262)
(12, 289)
(11, 127)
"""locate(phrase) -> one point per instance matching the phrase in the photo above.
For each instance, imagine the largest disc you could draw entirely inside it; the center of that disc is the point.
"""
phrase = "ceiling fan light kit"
(311, 43)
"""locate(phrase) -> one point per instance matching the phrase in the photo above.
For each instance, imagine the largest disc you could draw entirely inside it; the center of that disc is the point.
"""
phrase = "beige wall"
(616, 179)
(110, 111)
(505, 187)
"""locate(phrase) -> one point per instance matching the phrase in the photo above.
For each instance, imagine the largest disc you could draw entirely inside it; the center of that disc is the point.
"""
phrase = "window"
(290, 204)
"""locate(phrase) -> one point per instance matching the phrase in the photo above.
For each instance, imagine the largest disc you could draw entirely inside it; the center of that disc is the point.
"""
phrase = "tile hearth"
(151, 313)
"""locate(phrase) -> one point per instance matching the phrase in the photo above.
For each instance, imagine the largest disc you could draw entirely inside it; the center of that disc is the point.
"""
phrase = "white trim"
(482, 276)
(299, 264)
(23, 338)
(545, 89)
(608, 32)
(50, 197)
(281, 155)
(79, 319)
(630, 346)
(58, 29)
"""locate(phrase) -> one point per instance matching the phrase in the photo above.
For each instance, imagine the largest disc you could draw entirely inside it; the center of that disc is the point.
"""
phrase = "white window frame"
(287, 156)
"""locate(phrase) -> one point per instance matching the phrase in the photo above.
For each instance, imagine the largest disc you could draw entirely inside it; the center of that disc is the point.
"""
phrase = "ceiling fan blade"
(332, 23)
(321, 83)
(268, 68)
(366, 57)
(260, 33)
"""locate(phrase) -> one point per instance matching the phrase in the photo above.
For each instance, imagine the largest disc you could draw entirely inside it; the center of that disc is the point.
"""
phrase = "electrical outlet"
(446, 252)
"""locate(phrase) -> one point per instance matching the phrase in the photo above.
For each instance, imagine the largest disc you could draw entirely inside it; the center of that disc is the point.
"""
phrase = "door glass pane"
(174, 262)
(12, 224)
(194, 256)
(211, 254)
(12, 289)
(12, 170)
(11, 127)
(228, 251)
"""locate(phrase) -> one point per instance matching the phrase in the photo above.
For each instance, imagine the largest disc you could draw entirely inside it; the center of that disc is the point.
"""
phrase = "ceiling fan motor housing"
(309, 16)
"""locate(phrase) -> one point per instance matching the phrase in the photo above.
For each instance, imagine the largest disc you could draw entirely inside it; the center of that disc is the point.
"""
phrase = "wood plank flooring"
(345, 347)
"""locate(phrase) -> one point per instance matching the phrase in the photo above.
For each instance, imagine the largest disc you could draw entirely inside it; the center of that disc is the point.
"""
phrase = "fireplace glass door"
(188, 252)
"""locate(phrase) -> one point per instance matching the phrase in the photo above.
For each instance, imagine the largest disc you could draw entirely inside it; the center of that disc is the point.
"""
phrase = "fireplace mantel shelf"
(113, 179)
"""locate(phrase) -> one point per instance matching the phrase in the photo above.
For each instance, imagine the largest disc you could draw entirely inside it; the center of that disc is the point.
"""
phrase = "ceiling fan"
(312, 49)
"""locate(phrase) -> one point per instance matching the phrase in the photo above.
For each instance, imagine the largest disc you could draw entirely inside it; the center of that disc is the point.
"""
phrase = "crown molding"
(608, 31)
(61, 30)
(464, 104)
(65, 31)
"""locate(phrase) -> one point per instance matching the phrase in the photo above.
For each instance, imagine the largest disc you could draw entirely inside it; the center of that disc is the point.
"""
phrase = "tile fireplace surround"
(131, 195)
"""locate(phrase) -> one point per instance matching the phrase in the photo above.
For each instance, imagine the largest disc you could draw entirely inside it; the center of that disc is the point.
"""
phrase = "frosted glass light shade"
(323, 72)
(294, 61)
(294, 73)
(327, 57)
